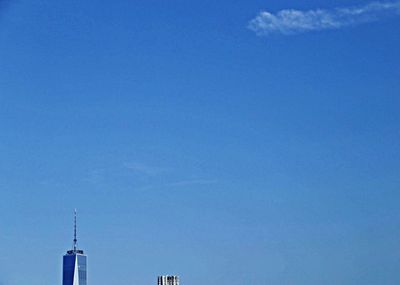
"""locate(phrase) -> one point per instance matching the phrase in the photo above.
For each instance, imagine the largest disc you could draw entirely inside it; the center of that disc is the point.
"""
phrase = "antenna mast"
(75, 240)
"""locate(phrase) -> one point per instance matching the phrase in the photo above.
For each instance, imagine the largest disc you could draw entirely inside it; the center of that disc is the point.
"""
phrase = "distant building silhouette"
(74, 264)
(168, 280)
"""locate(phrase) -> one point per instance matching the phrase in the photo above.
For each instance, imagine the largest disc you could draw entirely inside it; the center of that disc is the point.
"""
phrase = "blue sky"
(229, 142)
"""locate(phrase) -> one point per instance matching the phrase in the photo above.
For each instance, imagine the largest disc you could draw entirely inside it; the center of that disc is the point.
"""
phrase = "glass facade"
(74, 269)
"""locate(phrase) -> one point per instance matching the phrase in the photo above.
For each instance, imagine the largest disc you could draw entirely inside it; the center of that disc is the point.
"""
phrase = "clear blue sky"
(193, 144)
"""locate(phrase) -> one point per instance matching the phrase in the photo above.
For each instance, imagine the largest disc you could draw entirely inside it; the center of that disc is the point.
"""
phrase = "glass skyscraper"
(74, 265)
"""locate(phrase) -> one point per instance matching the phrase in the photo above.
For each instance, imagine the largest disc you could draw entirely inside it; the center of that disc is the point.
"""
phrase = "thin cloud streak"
(193, 182)
(290, 21)
(182, 183)
(144, 168)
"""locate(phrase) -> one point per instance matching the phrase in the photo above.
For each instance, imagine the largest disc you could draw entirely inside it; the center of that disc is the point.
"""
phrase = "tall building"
(74, 264)
(168, 280)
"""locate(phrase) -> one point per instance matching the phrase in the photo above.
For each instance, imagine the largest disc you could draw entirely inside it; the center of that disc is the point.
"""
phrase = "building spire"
(75, 240)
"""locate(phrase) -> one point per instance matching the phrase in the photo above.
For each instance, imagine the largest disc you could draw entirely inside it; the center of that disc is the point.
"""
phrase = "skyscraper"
(74, 264)
(168, 280)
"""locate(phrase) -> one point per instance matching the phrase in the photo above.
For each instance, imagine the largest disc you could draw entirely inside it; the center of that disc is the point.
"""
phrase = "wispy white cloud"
(292, 21)
(178, 184)
(192, 182)
(95, 176)
(144, 168)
